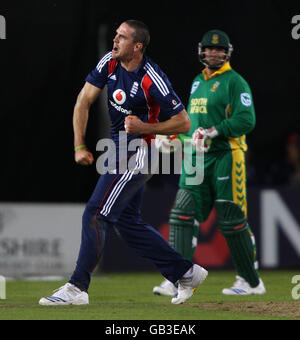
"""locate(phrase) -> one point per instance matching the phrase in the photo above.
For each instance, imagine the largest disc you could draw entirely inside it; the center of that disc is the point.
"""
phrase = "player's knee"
(183, 212)
(91, 217)
(231, 218)
(182, 236)
(88, 214)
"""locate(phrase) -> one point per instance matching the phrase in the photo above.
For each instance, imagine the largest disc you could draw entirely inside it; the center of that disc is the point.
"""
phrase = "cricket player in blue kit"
(137, 91)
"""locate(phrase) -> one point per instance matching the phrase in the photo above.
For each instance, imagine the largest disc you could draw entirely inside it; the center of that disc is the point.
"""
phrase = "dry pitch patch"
(286, 309)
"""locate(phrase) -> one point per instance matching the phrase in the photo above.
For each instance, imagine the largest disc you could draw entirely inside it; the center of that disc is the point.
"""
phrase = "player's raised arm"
(85, 99)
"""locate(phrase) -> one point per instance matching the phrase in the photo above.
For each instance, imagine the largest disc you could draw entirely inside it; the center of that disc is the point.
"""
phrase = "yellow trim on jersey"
(238, 143)
(226, 67)
(239, 179)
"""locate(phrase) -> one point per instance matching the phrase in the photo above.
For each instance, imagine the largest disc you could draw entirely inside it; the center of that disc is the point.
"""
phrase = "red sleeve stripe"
(153, 107)
(111, 66)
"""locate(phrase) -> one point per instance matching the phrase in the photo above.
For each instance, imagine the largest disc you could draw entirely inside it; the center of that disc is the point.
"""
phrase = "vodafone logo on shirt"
(119, 96)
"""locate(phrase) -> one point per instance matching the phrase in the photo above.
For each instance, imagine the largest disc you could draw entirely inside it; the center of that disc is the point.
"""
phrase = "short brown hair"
(142, 34)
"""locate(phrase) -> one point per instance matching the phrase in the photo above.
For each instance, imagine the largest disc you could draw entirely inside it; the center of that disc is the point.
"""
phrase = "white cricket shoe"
(166, 288)
(242, 287)
(66, 295)
(187, 286)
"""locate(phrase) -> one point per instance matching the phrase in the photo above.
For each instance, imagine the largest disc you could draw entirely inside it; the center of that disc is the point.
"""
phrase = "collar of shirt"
(141, 66)
(226, 67)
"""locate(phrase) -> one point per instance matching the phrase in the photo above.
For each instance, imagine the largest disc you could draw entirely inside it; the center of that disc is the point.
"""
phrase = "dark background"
(52, 45)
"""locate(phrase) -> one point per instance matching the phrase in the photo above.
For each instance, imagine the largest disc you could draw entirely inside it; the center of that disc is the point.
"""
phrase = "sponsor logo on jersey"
(119, 96)
(176, 104)
(246, 99)
(195, 86)
(120, 108)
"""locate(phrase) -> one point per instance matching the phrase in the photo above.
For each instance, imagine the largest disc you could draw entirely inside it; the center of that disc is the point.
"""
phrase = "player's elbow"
(248, 126)
(82, 101)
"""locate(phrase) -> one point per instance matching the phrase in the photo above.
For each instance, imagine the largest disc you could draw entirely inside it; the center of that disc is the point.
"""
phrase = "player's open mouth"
(115, 49)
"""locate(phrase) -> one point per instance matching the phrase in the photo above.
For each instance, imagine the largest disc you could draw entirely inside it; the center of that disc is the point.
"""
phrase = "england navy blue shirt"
(145, 92)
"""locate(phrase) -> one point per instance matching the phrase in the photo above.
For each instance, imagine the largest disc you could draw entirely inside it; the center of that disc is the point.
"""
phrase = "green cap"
(216, 38)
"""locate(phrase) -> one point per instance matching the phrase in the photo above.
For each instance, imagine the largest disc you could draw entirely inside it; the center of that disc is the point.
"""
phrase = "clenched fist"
(84, 157)
(133, 125)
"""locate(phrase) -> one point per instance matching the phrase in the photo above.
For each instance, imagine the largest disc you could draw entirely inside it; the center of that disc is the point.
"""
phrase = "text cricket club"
(107, 162)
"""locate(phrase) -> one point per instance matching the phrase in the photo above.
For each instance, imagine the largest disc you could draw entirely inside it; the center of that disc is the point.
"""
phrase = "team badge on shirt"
(134, 89)
(215, 86)
(246, 99)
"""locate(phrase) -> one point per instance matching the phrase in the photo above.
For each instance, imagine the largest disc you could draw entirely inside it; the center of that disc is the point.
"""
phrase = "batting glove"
(212, 132)
(167, 144)
(201, 136)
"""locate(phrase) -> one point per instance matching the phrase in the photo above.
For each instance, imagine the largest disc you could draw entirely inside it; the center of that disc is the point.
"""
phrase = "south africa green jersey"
(224, 101)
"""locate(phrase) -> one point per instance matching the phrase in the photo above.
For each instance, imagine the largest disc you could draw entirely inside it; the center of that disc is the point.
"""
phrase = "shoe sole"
(48, 303)
(62, 304)
(231, 293)
(162, 293)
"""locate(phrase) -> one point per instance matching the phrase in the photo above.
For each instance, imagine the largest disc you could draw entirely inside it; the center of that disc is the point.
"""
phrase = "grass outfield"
(129, 297)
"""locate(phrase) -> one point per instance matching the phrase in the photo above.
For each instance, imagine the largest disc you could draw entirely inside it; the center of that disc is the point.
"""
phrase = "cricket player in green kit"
(222, 114)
